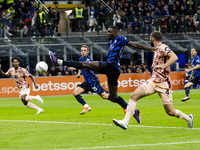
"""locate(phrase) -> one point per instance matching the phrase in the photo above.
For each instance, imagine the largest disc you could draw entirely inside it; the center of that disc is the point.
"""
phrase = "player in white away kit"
(158, 83)
(19, 74)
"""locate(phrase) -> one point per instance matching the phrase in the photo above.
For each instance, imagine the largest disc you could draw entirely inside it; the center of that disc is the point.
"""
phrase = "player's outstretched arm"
(140, 46)
(2, 73)
(194, 68)
(79, 74)
(191, 77)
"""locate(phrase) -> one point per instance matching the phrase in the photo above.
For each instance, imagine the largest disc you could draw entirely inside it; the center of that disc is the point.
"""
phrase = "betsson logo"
(56, 86)
(71, 85)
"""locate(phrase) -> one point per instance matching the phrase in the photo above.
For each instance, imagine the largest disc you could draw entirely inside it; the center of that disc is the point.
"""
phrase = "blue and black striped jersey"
(88, 75)
(115, 49)
(195, 61)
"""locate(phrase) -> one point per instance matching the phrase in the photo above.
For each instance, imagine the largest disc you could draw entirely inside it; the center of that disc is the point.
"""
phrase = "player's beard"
(152, 45)
(109, 38)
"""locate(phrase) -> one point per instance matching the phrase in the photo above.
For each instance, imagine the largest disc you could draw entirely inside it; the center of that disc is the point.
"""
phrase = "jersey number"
(94, 88)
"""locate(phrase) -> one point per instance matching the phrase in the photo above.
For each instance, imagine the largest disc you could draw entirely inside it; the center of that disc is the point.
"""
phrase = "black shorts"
(111, 71)
(195, 81)
(92, 87)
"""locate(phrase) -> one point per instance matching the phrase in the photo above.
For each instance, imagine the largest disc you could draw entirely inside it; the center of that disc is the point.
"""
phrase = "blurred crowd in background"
(22, 18)
(139, 17)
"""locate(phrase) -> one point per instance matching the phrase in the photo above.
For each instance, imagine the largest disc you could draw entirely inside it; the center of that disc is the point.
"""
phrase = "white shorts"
(163, 89)
(24, 91)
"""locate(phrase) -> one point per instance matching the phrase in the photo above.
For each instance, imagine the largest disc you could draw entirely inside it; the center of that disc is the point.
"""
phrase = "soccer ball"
(41, 67)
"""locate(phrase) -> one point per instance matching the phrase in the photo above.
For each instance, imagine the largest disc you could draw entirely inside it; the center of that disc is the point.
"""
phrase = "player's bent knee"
(104, 96)
(134, 96)
(23, 98)
(170, 113)
(74, 93)
(114, 97)
(24, 102)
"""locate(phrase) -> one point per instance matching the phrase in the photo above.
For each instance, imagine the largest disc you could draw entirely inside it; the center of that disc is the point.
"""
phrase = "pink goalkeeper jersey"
(160, 57)
(19, 76)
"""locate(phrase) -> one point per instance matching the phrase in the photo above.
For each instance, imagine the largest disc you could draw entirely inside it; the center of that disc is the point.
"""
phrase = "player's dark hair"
(157, 35)
(114, 27)
(16, 58)
(194, 49)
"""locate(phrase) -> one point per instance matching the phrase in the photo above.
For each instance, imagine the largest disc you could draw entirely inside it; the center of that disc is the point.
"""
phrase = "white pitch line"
(96, 124)
(134, 145)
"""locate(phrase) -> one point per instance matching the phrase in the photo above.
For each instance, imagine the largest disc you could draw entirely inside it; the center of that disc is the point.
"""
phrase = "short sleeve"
(197, 61)
(26, 73)
(124, 40)
(166, 50)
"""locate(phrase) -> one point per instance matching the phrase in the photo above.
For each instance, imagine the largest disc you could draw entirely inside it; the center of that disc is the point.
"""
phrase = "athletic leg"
(29, 97)
(77, 94)
(79, 65)
(115, 98)
(104, 95)
(136, 95)
(141, 91)
(187, 91)
(177, 113)
(82, 88)
(166, 96)
(30, 105)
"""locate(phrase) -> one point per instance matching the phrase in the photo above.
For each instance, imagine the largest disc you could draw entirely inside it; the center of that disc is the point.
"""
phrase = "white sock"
(29, 97)
(86, 105)
(60, 62)
(181, 115)
(134, 112)
(130, 109)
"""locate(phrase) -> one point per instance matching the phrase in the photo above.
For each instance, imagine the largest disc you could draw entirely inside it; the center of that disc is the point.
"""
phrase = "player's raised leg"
(94, 65)
(77, 94)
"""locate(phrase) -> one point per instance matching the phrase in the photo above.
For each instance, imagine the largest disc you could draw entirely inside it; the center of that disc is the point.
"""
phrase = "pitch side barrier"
(66, 84)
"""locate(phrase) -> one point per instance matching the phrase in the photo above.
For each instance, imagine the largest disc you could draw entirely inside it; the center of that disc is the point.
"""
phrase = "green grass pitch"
(62, 127)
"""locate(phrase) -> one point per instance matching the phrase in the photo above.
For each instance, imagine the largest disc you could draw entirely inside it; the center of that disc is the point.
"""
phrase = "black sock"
(80, 99)
(112, 100)
(187, 91)
(119, 101)
(74, 64)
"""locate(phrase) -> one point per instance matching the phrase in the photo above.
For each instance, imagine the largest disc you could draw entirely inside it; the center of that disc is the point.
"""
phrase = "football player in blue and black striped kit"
(195, 77)
(111, 68)
(91, 83)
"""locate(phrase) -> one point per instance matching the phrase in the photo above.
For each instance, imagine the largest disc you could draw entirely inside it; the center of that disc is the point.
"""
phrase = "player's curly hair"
(15, 57)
